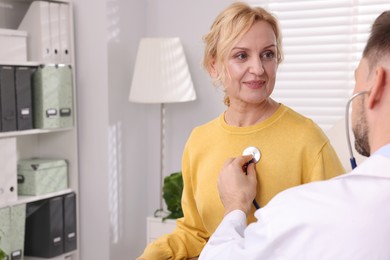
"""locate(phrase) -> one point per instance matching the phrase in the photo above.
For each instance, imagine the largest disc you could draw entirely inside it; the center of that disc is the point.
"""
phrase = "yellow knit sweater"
(294, 150)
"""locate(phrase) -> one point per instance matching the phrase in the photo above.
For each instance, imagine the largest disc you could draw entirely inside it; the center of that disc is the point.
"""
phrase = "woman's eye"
(241, 56)
(269, 55)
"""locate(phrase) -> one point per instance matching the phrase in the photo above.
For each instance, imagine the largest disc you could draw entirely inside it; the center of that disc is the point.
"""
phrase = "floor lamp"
(161, 76)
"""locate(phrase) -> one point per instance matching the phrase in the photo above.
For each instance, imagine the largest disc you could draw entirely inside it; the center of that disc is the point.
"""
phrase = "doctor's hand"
(236, 189)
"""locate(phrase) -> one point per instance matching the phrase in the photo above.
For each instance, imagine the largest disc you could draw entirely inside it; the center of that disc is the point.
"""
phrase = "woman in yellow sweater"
(242, 53)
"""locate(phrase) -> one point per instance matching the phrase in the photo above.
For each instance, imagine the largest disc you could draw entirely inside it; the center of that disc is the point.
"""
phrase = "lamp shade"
(161, 73)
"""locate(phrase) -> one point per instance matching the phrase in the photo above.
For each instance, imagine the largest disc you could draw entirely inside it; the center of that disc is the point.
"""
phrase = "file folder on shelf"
(7, 98)
(23, 77)
(44, 228)
(12, 225)
(70, 226)
(53, 97)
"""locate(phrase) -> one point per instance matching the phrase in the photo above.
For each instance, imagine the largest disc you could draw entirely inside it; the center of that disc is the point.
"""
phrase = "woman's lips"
(256, 84)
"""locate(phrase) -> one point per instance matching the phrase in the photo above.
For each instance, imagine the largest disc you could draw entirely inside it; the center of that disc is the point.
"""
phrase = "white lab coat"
(347, 217)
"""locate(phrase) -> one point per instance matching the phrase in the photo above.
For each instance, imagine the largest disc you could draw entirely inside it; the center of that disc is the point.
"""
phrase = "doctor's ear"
(378, 88)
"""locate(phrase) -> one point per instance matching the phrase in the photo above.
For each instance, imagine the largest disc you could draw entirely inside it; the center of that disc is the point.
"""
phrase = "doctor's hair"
(228, 28)
(378, 45)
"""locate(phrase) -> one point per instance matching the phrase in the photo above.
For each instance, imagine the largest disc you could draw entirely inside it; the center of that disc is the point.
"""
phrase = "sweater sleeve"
(327, 165)
(190, 236)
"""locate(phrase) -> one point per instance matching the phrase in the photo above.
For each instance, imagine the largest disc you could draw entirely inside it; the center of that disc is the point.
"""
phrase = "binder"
(8, 177)
(54, 24)
(48, 27)
(70, 226)
(65, 54)
(7, 98)
(37, 24)
(23, 76)
(44, 228)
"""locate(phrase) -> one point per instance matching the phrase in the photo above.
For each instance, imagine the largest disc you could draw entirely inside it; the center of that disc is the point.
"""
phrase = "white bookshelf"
(44, 143)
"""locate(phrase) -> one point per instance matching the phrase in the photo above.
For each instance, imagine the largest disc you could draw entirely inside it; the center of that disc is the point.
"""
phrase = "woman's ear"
(213, 70)
(378, 87)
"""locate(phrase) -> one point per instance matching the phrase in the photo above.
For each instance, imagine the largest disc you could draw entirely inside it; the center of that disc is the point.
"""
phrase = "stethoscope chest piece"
(251, 150)
(255, 152)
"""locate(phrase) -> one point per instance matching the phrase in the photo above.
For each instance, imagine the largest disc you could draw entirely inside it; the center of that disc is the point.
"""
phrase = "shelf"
(60, 257)
(20, 63)
(31, 132)
(29, 1)
(27, 199)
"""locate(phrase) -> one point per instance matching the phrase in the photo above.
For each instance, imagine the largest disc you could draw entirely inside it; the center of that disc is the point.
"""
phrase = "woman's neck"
(242, 115)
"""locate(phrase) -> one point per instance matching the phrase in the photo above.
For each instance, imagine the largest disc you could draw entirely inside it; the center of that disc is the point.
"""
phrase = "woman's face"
(252, 66)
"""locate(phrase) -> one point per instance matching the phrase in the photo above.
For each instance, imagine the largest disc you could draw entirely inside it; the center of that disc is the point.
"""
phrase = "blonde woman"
(242, 52)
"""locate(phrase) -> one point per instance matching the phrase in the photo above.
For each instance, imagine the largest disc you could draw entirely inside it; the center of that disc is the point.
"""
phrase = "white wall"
(91, 94)
(119, 141)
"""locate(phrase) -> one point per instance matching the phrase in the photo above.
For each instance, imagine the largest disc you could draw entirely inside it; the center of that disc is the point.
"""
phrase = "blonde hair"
(229, 26)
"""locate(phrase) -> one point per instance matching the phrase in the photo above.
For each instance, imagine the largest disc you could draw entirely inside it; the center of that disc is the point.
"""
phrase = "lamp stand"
(162, 146)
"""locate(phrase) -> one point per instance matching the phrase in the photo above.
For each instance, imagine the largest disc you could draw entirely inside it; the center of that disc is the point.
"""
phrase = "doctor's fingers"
(241, 162)
(251, 173)
(232, 164)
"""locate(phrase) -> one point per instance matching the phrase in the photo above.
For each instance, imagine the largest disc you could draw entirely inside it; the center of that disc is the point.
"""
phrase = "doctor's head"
(372, 75)
(244, 44)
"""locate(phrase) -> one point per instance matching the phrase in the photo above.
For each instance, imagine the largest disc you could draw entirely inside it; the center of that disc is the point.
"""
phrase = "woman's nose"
(256, 67)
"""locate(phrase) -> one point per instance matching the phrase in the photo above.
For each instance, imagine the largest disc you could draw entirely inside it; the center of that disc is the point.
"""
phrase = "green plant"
(172, 191)
(2, 255)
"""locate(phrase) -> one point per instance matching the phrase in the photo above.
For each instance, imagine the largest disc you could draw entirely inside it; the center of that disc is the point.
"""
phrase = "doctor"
(347, 217)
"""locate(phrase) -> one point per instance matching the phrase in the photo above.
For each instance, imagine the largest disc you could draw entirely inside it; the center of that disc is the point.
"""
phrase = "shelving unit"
(44, 143)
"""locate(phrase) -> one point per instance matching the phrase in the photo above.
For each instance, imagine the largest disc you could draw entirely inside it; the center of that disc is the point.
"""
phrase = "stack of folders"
(24, 91)
(36, 97)
(48, 28)
(51, 226)
(15, 98)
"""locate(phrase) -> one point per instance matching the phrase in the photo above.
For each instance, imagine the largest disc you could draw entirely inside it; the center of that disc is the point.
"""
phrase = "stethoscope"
(255, 152)
(352, 158)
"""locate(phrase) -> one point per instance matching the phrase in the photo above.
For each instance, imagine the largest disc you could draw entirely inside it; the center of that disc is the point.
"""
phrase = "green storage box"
(12, 230)
(41, 176)
(53, 97)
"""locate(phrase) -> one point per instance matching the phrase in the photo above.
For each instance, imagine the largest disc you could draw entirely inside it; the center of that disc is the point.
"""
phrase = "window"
(323, 42)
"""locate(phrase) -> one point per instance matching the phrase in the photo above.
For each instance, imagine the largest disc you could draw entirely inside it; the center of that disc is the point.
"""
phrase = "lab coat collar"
(377, 165)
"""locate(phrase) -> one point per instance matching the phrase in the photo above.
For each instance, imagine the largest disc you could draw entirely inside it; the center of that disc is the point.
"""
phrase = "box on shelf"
(13, 45)
(42, 176)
